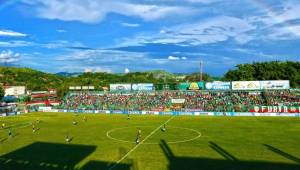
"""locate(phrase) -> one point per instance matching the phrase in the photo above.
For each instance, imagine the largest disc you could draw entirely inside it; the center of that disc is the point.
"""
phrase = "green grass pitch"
(189, 142)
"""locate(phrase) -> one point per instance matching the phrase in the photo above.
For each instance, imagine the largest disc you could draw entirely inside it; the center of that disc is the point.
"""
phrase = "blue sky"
(137, 35)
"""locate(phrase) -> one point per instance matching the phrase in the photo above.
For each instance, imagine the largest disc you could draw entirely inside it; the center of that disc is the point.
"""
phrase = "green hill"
(32, 79)
(37, 80)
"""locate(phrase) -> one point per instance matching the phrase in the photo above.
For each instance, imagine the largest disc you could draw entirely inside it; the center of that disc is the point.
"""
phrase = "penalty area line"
(136, 146)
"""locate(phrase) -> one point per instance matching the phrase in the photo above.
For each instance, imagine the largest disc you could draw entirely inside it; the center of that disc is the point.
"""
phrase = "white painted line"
(155, 143)
(136, 146)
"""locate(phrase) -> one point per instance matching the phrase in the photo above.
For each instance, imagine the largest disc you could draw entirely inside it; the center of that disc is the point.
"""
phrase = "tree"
(195, 77)
(27, 99)
(2, 92)
(273, 70)
(61, 91)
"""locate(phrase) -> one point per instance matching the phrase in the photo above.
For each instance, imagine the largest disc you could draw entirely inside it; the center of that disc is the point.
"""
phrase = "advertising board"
(167, 86)
(218, 85)
(85, 87)
(191, 86)
(178, 101)
(44, 109)
(245, 85)
(120, 87)
(142, 87)
(183, 86)
(276, 109)
(275, 84)
(197, 86)
(77, 87)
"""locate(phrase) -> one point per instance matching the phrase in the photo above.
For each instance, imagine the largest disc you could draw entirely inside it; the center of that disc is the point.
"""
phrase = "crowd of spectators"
(193, 100)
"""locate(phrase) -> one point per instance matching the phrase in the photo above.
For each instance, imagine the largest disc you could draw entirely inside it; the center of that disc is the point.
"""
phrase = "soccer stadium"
(149, 85)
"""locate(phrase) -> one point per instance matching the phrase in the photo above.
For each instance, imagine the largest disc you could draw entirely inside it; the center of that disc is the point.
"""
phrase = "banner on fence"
(183, 86)
(276, 109)
(120, 87)
(191, 86)
(195, 113)
(143, 87)
(218, 85)
(275, 84)
(44, 109)
(167, 86)
(177, 101)
(245, 85)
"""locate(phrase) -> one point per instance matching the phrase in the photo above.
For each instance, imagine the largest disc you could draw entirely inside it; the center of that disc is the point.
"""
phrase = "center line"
(136, 146)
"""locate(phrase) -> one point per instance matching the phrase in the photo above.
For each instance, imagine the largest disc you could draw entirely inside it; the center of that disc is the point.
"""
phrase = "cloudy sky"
(137, 35)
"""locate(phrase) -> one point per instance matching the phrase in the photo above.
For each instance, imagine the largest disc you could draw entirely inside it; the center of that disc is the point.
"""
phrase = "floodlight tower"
(5, 61)
(201, 70)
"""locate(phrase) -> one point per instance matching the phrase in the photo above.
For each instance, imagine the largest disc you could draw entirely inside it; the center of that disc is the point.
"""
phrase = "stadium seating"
(226, 101)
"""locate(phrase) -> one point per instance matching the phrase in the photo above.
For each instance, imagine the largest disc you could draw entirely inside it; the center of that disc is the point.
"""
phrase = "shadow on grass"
(42, 155)
(231, 162)
(3, 140)
(126, 165)
(282, 153)
(37, 129)
(222, 152)
(7, 138)
(53, 156)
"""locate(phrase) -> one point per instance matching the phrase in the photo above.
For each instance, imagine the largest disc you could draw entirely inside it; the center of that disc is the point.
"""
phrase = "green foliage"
(32, 79)
(195, 77)
(274, 70)
(36, 80)
(2, 92)
(27, 98)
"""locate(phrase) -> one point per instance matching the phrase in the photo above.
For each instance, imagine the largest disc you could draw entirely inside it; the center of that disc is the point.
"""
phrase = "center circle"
(172, 135)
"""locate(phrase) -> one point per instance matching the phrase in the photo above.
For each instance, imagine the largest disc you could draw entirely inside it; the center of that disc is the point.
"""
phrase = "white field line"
(136, 146)
(155, 143)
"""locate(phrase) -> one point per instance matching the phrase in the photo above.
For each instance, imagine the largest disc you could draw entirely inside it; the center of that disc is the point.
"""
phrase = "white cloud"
(88, 70)
(61, 30)
(277, 24)
(268, 24)
(102, 56)
(176, 58)
(173, 58)
(162, 31)
(126, 70)
(61, 44)
(95, 69)
(129, 24)
(10, 33)
(211, 30)
(257, 53)
(111, 60)
(290, 11)
(203, 1)
(9, 57)
(51, 45)
(12, 44)
(91, 11)
(183, 1)
(284, 33)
